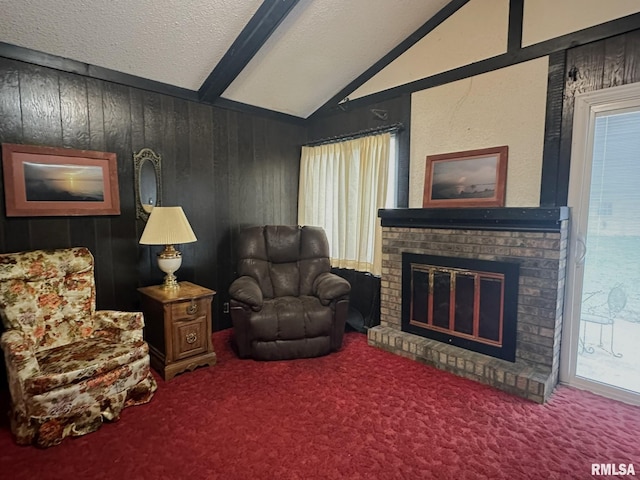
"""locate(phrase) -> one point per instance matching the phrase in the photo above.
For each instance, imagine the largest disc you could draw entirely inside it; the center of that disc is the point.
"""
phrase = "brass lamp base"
(169, 261)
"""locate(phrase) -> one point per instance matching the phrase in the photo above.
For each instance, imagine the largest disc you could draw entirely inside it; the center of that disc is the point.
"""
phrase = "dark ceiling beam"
(516, 19)
(254, 35)
(442, 15)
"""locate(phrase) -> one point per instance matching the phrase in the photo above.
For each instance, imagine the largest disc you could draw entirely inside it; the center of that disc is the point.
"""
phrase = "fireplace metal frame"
(505, 349)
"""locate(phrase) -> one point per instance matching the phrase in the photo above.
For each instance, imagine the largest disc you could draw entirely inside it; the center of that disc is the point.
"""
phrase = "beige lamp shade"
(167, 226)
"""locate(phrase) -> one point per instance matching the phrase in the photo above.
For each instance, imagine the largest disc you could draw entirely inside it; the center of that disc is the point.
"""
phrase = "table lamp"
(168, 226)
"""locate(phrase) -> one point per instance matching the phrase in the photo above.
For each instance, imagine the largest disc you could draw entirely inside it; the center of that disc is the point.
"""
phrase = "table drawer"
(189, 308)
(189, 337)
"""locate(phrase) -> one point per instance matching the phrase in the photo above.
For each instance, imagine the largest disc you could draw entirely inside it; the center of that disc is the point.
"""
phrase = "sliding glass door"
(601, 339)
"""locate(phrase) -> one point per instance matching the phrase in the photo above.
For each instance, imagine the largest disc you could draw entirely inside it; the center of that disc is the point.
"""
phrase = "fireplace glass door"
(602, 324)
(468, 303)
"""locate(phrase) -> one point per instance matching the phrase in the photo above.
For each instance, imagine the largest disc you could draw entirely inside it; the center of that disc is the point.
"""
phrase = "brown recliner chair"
(286, 303)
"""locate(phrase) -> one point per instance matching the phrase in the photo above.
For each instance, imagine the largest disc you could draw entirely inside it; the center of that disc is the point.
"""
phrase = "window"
(342, 186)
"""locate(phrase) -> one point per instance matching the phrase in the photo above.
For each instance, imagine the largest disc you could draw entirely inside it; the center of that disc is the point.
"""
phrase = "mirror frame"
(144, 155)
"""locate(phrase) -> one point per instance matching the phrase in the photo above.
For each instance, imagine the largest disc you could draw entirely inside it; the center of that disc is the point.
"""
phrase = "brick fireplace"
(533, 238)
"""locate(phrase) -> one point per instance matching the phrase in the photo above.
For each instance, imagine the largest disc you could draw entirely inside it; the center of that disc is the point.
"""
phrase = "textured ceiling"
(322, 46)
(162, 40)
(319, 48)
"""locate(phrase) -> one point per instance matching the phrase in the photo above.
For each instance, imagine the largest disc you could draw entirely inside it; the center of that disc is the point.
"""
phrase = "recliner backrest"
(48, 294)
(284, 260)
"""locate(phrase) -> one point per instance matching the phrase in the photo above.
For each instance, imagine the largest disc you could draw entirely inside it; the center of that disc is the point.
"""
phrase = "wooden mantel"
(534, 219)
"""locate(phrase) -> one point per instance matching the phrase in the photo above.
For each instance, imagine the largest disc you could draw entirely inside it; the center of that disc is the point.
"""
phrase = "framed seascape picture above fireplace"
(474, 178)
(52, 181)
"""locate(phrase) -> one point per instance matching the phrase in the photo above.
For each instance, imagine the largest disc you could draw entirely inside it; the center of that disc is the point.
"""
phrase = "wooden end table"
(178, 327)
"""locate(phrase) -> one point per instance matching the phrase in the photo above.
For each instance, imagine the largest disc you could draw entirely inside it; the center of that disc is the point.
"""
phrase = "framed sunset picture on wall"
(473, 178)
(52, 181)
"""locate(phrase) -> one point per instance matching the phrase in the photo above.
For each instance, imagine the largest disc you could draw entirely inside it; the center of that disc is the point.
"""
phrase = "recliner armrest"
(125, 326)
(246, 290)
(329, 286)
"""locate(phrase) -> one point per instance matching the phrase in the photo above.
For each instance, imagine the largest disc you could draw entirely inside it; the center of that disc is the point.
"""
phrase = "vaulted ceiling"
(287, 56)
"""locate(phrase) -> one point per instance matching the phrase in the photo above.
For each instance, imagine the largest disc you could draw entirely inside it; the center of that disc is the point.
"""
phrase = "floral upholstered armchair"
(69, 366)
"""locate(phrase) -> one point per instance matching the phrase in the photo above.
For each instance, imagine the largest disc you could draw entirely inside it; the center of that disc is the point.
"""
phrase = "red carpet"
(359, 414)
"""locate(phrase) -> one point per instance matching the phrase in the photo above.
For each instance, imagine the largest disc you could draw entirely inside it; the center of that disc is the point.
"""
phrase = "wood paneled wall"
(226, 169)
(594, 66)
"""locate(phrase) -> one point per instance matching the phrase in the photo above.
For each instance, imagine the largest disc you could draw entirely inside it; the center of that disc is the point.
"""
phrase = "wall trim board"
(251, 109)
(551, 158)
(531, 52)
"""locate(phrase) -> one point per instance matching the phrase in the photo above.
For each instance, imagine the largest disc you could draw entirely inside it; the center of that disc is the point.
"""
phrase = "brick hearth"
(534, 238)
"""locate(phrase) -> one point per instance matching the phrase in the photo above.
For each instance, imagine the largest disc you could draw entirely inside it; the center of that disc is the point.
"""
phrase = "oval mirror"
(147, 185)
(148, 182)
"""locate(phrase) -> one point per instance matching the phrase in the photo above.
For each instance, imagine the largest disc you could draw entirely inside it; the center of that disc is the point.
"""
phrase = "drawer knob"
(191, 337)
(192, 308)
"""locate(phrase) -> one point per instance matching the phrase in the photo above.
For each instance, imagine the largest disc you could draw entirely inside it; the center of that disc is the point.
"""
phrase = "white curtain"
(342, 186)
